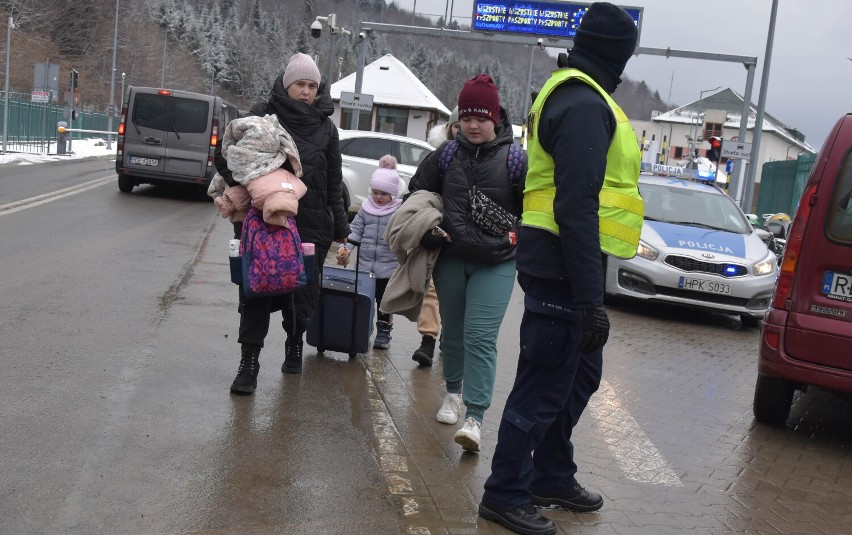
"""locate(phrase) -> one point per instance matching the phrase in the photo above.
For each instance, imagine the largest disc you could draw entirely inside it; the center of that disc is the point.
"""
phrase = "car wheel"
(125, 183)
(749, 321)
(772, 399)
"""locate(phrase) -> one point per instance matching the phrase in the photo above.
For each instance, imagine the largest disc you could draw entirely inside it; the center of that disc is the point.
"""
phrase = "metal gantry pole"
(332, 37)
(527, 95)
(6, 84)
(738, 172)
(748, 194)
(112, 79)
(360, 60)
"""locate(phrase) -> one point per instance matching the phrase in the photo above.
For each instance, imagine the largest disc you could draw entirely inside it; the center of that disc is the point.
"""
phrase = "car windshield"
(692, 207)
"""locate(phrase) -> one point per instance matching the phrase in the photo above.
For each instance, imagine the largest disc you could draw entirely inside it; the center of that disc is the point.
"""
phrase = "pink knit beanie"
(385, 178)
(300, 67)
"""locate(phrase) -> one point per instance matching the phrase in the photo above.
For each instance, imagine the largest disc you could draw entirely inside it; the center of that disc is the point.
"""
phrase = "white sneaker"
(450, 409)
(468, 435)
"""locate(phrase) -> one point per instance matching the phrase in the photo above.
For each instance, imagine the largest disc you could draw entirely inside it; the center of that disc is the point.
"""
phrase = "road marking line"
(38, 200)
(635, 454)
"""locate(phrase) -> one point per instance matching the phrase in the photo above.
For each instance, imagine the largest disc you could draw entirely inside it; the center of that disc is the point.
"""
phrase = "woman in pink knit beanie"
(304, 111)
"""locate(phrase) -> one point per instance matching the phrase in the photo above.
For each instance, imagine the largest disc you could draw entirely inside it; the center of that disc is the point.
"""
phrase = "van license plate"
(138, 160)
(702, 285)
(837, 286)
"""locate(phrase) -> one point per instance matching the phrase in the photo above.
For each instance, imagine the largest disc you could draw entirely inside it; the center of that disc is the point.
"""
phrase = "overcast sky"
(810, 76)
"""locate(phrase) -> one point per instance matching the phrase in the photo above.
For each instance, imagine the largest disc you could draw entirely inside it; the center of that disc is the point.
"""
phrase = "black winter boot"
(383, 336)
(292, 354)
(426, 352)
(246, 380)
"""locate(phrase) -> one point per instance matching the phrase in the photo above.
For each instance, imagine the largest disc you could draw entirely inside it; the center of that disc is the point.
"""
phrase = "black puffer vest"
(490, 173)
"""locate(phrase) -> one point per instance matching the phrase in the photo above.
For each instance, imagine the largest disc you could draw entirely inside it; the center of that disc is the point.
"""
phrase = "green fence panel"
(782, 184)
(776, 187)
(804, 166)
(32, 125)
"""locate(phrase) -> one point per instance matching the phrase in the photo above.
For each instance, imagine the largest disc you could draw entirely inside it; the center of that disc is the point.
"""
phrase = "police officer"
(581, 200)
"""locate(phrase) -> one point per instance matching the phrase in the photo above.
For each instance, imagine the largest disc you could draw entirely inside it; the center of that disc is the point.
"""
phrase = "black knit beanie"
(607, 36)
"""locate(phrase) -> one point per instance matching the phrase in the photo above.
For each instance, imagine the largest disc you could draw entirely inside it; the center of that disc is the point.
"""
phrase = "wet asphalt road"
(118, 329)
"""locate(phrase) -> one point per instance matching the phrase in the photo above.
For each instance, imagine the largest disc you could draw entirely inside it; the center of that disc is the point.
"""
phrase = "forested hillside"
(237, 47)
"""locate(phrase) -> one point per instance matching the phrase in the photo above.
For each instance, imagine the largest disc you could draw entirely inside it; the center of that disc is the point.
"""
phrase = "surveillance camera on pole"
(316, 29)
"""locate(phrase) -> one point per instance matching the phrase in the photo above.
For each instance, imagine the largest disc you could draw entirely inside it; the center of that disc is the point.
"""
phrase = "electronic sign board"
(542, 19)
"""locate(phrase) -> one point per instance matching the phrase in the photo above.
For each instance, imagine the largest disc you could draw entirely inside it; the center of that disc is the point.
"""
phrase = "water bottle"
(236, 261)
(309, 255)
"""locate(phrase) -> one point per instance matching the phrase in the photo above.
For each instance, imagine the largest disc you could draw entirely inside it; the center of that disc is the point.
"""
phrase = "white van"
(168, 137)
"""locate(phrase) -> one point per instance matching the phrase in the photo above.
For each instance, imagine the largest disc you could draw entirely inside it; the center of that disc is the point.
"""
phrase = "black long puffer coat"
(322, 217)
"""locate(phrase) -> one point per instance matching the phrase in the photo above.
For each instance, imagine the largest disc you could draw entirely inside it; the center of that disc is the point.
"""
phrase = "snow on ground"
(82, 148)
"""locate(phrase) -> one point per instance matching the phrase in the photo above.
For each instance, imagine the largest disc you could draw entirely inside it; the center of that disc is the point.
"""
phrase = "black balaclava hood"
(606, 37)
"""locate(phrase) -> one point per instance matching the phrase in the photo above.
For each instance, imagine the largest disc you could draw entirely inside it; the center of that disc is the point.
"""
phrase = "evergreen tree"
(257, 17)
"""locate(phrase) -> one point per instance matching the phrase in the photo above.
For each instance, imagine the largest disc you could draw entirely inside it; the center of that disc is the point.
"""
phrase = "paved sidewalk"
(668, 439)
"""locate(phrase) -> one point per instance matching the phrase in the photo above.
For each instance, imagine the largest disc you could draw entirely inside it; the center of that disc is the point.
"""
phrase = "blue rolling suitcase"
(343, 319)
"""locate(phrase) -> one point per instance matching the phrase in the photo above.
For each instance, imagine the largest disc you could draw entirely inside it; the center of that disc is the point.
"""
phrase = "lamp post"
(9, 29)
(694, 140)
(112, 79)
(165, 43)
(121, 101)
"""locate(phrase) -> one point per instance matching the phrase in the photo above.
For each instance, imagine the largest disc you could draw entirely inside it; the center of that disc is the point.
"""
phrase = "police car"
(696, 249)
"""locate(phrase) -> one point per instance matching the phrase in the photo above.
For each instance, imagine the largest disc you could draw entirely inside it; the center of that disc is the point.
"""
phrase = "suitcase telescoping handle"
(321, 310)
(357, 245)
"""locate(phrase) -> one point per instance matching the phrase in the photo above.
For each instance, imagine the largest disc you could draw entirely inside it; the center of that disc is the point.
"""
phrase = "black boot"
(292, 355)
(246, 380)
(426, 352)
(383, 335)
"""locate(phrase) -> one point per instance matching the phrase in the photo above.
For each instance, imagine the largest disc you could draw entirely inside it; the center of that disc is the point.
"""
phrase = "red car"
(806, 338)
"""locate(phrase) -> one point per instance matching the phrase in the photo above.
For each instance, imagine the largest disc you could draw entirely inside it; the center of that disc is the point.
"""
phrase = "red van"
(806, 338)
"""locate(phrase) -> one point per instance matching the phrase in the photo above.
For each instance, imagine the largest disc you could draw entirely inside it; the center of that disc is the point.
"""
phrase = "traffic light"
(715, 151)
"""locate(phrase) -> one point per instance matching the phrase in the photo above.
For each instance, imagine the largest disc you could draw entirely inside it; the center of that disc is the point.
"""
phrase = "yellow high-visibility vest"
(621, 209)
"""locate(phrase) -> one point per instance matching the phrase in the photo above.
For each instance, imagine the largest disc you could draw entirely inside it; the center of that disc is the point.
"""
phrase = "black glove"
(431, 241)
(595, 329)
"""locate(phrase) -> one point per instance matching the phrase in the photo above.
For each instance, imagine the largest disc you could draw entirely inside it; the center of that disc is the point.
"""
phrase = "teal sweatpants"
(473, 299)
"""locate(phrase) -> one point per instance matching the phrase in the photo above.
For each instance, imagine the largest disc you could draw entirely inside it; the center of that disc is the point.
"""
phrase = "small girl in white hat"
(368, 229)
